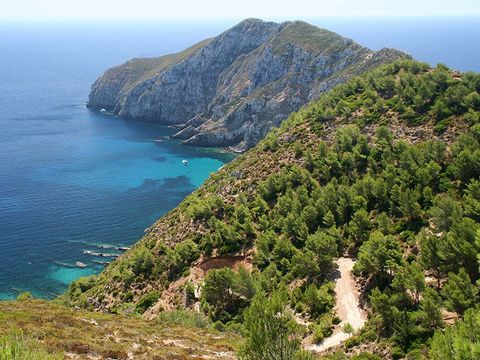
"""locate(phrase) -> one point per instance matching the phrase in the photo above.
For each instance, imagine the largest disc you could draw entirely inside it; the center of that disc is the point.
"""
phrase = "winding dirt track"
(347, 306)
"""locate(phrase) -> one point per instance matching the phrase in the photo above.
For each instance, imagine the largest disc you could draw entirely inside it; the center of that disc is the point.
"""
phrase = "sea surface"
(75, 181)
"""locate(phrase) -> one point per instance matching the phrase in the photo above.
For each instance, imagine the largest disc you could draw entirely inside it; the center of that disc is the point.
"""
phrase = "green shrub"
(352, 342)
(146, 301)
(128, 296)
(270, 331)
(323, 328)
(204, 209)
(319, 300)
(81, 285)
(18, 347)
(141, 261)
(25, 296)
(365, 356)
(189, 293)
(460, 341)
(225, 293)
(184, 318)
(318, 334)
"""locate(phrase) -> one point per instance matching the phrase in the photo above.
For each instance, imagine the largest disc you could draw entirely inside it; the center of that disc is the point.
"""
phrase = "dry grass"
(87, 335)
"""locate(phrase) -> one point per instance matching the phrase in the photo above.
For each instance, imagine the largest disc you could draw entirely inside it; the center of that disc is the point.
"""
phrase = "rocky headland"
(229, 91)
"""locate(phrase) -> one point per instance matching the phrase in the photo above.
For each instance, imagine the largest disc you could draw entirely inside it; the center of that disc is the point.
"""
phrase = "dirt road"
(347, 306)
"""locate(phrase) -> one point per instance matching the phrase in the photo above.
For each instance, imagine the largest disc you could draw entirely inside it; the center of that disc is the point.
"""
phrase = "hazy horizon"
(216, 9)
(233, 20)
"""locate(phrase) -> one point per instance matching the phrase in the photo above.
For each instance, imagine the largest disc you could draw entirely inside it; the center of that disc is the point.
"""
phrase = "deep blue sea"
(72, 180)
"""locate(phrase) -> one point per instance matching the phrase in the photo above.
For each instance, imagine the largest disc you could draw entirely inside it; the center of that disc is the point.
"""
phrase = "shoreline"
(218, 149)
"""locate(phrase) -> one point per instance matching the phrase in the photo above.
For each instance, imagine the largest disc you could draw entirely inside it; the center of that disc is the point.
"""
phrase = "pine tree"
(459, 293)
(359, 226)
(430, 315)
(458, 342)
(411, 280)
(431, 257)
(271, 333)
(379, 256)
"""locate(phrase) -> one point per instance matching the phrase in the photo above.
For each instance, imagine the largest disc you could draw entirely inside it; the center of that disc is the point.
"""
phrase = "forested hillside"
(385, 169)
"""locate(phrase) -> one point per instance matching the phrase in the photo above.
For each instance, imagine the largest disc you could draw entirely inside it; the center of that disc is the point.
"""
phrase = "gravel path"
(347, 306)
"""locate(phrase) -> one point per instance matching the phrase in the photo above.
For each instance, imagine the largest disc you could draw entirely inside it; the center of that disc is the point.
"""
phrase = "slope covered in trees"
(384, 168)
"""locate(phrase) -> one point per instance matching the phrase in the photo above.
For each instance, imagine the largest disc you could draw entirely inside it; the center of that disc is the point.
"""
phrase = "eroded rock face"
(229, 91)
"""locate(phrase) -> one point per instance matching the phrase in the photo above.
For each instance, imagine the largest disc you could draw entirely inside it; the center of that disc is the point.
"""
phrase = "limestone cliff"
(230, 90)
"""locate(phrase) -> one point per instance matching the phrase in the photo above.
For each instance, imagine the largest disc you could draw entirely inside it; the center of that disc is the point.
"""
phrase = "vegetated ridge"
(229, 91)
(385, 169)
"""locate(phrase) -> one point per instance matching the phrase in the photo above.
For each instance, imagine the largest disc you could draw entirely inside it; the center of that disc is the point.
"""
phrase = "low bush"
(184, 318)
(146, 301)
(18, 347)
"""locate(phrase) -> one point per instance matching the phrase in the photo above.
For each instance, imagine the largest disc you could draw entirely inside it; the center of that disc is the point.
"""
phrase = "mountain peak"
(252, 25)
(251, 21)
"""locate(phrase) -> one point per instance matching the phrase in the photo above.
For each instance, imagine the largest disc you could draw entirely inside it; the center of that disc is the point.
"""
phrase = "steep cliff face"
(230, 90)
(110, 90)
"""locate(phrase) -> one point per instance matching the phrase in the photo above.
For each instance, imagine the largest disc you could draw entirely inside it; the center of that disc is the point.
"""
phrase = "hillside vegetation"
(384, 168)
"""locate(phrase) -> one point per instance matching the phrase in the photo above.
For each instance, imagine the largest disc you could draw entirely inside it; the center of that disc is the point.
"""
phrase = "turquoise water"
(100, 183)
(72, 180)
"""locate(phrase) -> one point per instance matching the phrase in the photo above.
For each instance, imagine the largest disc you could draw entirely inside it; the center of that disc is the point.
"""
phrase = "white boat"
(185, 162)
(80, 264)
